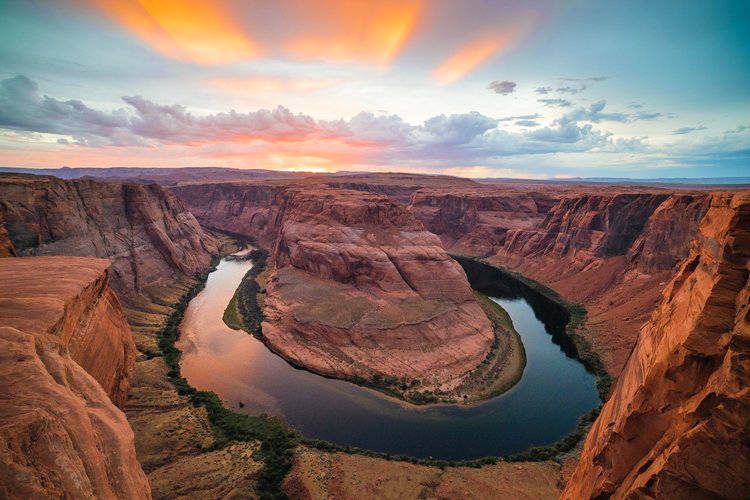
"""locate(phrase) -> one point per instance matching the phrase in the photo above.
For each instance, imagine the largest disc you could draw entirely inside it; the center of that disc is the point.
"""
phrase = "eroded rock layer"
(359, 287)
(676, 425)
(149, 236)
(610, 249)
(66, 356)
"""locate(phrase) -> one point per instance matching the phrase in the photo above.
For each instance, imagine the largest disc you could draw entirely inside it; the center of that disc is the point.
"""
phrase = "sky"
(478, 88)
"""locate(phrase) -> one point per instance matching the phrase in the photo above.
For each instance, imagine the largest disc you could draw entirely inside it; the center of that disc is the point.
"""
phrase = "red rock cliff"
(610, 249)
(676, 425)
(147, 233)
(66, 354)
(359, 287)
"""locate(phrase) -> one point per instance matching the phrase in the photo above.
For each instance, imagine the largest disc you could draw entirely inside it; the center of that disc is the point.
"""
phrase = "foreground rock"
(66, 353)
(676, 423)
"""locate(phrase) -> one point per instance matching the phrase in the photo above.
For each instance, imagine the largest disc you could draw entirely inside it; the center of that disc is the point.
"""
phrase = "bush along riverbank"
(277, 440)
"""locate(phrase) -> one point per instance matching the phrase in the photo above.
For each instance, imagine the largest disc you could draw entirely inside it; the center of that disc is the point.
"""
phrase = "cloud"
(594, 114)
(635, 106)
(520, 117)
(687, 130)
(543, 90)
(562, 103)
(375, 139)
(505, 87)
(738, 129)
(572, 90)
(650, 115)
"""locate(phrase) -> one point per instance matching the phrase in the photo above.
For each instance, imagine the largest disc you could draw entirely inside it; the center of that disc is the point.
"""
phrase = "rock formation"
(66, 355)
(610, 249)
(149, 236)
(676, 424)
(359, 288)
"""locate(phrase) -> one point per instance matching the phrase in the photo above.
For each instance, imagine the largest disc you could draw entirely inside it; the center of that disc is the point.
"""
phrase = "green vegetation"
(277, 440)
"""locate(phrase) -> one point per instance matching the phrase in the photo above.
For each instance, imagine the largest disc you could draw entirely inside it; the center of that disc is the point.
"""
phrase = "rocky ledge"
(66, 358)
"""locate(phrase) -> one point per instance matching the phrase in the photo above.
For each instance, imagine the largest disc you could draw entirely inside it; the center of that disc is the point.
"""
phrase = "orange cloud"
(195, 30)
(357, 30)
(465, 59)
(478, 50)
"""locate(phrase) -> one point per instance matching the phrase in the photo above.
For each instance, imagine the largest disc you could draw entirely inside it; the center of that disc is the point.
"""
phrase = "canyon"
(662, 273)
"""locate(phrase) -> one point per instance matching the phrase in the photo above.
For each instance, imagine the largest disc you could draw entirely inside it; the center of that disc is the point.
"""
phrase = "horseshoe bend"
(378, 283)
(353, 250)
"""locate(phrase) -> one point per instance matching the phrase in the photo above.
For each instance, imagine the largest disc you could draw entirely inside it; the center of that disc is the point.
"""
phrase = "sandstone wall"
(66, 354)
(147, 233)
(676, 423)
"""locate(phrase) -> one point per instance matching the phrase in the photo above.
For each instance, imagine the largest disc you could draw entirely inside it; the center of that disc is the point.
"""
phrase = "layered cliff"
(360, 288)
(249, 209)
(676, 423)
(147, 233)
(610, 249)
(66, 358)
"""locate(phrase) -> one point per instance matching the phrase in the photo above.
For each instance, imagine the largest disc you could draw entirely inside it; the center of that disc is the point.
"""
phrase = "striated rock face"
(250, 209)
(676, 425)
(359, 287)
(477, 221)
(147, 233)
(611, 250)
(66, 354)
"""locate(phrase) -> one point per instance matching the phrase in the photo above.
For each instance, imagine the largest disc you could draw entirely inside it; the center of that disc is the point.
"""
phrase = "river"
(543, 407)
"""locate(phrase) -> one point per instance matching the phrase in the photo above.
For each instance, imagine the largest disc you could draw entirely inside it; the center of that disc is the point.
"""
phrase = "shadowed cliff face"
(611, 249)
(676, 423)
(151, 239)
(66, 355)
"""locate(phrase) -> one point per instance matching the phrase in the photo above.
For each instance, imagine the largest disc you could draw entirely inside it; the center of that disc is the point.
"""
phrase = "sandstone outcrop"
(676, 424)
(66, 358)
(147, 233)
(610, 249)
(248, 209)
(360, 288)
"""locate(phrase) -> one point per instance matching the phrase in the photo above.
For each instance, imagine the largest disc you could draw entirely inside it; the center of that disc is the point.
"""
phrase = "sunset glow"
(196, 30)
(539, 89)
